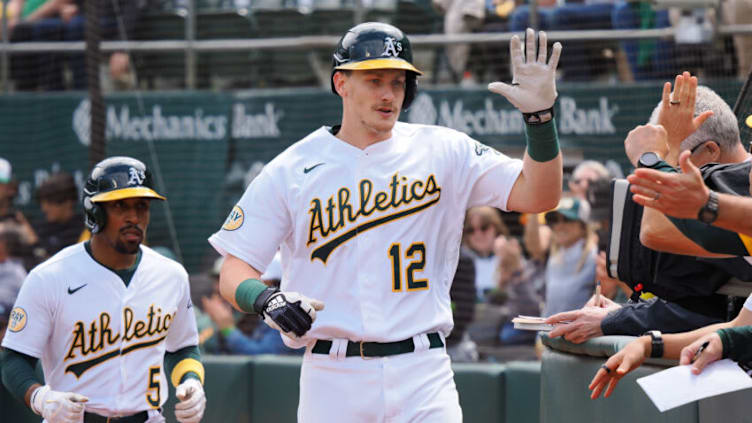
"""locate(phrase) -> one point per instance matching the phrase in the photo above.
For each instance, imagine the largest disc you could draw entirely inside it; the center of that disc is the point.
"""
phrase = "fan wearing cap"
(368, 216)
(110, 319)
(570, 270)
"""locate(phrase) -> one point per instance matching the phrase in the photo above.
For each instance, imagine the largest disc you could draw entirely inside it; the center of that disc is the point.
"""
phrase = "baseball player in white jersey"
(369, 218)
(110, 319)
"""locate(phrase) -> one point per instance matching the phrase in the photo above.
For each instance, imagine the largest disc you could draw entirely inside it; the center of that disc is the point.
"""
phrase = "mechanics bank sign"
(125, 123)
(491, 120)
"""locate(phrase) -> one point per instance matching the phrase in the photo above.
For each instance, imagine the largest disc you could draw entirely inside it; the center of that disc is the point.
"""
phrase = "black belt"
(377, 349)
(133, 418)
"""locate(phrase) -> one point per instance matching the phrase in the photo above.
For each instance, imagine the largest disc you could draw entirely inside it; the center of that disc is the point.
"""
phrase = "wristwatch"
(538, 118)
(656, 342)
(649, 159)
(709, 212)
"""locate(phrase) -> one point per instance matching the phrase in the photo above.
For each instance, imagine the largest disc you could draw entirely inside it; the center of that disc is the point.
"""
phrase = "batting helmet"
(113, 179)
(375, 45)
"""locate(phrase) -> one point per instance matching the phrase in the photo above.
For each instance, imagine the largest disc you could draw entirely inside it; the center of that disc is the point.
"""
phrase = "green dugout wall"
(207, 146)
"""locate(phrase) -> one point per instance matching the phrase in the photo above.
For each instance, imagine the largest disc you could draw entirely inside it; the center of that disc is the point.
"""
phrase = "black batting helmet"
(113, 179)
(375, 45)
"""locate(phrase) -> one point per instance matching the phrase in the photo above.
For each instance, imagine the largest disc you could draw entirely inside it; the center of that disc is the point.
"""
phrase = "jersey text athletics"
(100, 336)
(335, 214)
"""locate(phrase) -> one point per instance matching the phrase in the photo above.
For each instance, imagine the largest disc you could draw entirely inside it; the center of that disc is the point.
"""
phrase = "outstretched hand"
(533, 87)
(578, 326)
(679, 195)
(618, 365)
(677, 113)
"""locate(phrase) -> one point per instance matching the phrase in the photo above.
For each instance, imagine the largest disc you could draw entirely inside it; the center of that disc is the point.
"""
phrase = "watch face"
(649, 159)
(707, 215)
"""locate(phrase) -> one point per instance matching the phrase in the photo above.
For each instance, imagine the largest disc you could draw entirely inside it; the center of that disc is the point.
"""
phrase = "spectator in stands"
(684, 285)
(570, 15)
(260, 338)
(519, 285)
(38, 20)
(647, 58)
(8, 191)
(482, 225)
(583, 174)
(63, 225)
(12, 271)
(462, 294)
(570, 268)
(21, 236)
(724, 340)
(117, 20)
(739, 12)
(460, 16)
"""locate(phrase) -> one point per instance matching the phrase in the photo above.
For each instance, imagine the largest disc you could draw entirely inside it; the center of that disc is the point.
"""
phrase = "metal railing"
(191, 46)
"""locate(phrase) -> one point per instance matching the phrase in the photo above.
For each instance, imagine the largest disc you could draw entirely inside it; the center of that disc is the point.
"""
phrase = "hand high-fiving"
(533, 87)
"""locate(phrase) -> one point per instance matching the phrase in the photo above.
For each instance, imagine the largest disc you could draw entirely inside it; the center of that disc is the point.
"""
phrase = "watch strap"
(709, 212)
(656, 342)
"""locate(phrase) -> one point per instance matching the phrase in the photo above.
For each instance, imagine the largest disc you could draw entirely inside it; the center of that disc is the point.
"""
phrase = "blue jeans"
(511, 336)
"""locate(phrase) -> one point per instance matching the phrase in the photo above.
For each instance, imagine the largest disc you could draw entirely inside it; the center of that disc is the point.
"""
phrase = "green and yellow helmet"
(375, 45)
(112, 179)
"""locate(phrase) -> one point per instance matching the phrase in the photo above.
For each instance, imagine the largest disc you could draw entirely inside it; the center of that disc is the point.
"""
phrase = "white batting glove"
(58, 407)
(533, 86)
(192, 401)
(290, 313)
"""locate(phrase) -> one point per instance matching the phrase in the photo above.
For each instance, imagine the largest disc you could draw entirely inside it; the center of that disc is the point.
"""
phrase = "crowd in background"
(623, 60)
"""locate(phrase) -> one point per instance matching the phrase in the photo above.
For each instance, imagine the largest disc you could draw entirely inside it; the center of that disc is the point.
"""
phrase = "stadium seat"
(160, 67)
(226, 69)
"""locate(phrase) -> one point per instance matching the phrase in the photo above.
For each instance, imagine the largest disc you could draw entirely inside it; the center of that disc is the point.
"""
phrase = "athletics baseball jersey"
(99, 338)
(373, 233)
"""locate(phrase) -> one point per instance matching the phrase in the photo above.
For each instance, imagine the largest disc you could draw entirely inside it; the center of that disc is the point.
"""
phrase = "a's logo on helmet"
(136, 177)
(392, 47)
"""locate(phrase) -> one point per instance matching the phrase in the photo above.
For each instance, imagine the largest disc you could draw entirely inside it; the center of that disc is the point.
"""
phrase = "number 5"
(152, 392)
(416, 265)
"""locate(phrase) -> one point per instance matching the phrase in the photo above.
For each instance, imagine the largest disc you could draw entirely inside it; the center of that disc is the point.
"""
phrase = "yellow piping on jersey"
(185, 366)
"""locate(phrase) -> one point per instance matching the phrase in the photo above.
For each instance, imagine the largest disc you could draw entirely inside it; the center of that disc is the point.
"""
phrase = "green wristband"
(542, 141)
(247, 293)
(227, 331)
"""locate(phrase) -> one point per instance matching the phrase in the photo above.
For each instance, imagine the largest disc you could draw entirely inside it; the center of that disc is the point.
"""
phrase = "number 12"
(417, 265)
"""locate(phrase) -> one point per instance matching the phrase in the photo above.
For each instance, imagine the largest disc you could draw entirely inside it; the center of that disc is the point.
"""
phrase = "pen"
(700, 350)
(598, 293)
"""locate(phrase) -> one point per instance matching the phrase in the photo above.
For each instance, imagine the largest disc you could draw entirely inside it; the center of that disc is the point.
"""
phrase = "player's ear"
(339, 79)
(715, 151)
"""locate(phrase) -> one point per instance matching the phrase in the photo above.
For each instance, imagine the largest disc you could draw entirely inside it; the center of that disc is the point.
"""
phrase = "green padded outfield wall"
(207, 146)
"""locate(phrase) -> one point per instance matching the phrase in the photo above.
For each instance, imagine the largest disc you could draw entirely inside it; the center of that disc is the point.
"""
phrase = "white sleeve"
(487, 173)
(258, 224)
(748, 303)
(183, 332)
(31, 320)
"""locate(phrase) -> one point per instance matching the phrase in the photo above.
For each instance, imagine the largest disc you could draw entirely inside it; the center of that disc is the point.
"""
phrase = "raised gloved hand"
(58, 407)
(288, 312)
(191, 401)
(533, 87)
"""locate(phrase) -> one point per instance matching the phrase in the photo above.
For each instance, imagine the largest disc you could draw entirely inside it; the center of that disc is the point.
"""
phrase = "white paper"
(677, 385)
